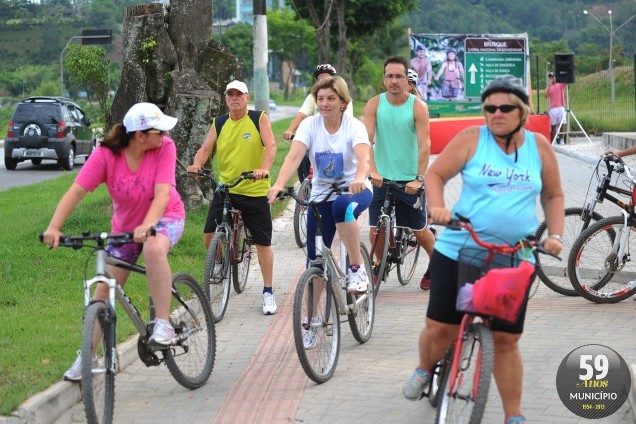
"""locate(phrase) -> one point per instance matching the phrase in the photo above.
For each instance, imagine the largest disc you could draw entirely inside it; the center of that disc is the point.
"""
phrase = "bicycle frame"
(324, 256)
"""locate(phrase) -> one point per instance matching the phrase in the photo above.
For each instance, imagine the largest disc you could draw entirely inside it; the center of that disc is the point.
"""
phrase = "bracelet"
(556, 237)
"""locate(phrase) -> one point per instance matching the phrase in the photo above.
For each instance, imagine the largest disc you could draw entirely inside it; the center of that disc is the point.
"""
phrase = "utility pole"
(261, 80)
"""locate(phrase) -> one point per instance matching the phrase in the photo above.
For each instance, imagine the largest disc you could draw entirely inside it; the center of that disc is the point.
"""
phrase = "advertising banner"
(457, 67)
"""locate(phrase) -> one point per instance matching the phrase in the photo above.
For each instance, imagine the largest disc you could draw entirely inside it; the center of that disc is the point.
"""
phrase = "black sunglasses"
(503, 108)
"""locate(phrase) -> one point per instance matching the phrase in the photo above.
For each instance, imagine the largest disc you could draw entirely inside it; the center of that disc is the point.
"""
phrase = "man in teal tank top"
(398, 127)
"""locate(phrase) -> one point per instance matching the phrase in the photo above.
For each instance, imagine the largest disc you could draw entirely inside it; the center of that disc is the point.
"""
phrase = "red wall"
(443, 130)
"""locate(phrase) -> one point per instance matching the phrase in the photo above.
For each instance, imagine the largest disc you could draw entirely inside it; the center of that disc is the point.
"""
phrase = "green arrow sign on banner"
(488, 58)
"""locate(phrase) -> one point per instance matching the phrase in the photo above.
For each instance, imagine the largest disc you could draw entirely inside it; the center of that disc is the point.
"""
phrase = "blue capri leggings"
(345, 208)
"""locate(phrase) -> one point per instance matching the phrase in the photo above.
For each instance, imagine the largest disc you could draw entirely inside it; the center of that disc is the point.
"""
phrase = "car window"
(80, 116)
(41, 112)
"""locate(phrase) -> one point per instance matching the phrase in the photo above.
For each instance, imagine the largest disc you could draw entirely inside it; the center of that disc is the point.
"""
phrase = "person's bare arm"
(204, 152)
(293, 126)
(369, 120)
(422, 130)
(448, 164)
(267, 137)
(358, 185)
(290, 165)
(64, 208)
(552, 198)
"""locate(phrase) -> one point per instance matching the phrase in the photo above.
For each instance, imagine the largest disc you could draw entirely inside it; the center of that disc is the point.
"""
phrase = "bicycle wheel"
(241, 268)
(362, 317)
(300, 214)
(191, 360)
(381, 251)
(98, 372)
(409, 253)
(216, 279)
(438, 376)
(554, 272)
(467, 400)
(316, 325)
(597, 270)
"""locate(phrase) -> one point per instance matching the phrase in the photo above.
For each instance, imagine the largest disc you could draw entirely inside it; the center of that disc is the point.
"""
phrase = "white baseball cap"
(144, 116)
(237, 85)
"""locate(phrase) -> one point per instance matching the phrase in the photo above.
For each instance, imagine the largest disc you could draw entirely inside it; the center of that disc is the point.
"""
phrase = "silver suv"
(48, 128)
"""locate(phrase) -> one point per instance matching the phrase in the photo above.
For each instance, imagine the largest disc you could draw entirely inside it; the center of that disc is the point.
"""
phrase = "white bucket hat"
(144, 116)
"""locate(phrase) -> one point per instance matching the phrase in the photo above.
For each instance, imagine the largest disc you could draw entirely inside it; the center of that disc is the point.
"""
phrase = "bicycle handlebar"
(336, 188)
(392, 184)
(463, 223)
(247, 175)
(618, 164)
(77, 242)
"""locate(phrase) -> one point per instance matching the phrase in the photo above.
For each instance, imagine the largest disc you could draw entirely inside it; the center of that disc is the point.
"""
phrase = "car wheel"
(69, 163)
(36, 161)
(10, 163)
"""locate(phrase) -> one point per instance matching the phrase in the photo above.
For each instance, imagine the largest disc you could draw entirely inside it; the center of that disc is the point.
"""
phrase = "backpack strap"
(219, 121)
(255, 116)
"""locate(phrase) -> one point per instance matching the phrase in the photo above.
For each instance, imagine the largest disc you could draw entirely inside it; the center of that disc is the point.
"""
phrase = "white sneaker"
(269, 304)
(309, 338)
(162, 333)
(357, 281)
(74, 373)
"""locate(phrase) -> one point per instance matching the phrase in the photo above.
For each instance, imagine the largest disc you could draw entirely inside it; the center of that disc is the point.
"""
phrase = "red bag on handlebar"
(501, 292)
(499, 287)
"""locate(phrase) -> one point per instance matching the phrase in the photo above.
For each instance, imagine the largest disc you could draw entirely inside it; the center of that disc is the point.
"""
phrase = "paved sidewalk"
(257, 377)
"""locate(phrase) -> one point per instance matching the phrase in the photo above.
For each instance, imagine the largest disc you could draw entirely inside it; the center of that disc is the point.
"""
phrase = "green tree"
(289, 39)
(88, 67)
(240, 41)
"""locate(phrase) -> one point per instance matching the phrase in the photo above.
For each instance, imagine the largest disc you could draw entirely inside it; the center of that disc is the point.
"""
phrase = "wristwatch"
(420, 178)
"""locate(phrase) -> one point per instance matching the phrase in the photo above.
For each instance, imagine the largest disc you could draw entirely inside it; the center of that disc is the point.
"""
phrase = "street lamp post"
(611, 32)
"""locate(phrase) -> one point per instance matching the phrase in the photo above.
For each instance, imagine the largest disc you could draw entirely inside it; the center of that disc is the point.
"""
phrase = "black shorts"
(443, 294)
(405, 214)
(256, 216)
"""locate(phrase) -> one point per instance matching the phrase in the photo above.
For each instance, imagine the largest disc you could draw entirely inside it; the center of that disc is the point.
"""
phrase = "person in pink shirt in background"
(136, 161)
(555, 92)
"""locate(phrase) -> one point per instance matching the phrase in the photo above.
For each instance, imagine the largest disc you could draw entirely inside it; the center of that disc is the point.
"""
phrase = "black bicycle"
(393, 246)
(554, 273)
(231, 246)
(190, 359)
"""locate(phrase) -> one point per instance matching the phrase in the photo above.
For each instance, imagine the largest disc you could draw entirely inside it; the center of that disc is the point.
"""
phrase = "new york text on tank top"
(512, 179)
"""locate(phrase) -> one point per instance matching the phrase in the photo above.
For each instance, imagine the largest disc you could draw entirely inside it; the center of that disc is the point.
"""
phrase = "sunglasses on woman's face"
(503, 108)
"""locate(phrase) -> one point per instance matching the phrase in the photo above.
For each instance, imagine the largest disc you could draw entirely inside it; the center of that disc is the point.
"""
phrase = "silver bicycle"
(321, 296)
(190, 359)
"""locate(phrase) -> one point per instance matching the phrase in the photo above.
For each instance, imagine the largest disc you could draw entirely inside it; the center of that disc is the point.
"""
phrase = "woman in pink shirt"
(136, 161)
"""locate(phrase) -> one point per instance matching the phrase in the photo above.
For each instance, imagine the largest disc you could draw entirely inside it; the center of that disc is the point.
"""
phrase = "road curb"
(50, 404)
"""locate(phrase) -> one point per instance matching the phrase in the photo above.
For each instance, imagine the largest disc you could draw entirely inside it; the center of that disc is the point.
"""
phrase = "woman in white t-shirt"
(309, 108)
(338, 148)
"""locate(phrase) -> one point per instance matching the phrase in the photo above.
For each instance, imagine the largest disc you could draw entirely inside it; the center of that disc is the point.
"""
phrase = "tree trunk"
(341, 54)
(322, 25)
(169, 60)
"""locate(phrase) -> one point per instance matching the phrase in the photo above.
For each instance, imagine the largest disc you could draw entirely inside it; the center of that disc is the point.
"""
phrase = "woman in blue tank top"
(504, 168)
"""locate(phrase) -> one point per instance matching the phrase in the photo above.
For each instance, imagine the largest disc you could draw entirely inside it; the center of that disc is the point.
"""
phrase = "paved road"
(257, 377)
(27, 173)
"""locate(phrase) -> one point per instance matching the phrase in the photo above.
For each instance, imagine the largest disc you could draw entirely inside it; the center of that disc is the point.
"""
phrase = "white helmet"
(413, 76)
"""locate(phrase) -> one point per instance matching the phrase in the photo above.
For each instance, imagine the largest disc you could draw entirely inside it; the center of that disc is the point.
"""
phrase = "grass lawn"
(41, 294)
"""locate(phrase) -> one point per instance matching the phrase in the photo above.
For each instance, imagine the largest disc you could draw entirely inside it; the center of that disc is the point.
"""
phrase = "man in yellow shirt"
(244, 142)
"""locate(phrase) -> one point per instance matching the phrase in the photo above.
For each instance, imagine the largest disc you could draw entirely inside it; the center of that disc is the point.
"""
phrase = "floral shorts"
(169, 227)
